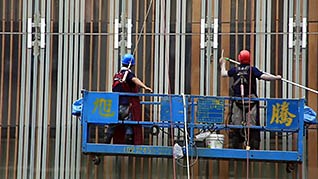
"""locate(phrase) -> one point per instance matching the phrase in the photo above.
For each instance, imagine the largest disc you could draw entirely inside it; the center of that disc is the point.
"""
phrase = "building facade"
(52, 49)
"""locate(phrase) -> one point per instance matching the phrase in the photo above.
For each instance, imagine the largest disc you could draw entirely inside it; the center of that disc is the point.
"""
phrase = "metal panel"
(177, 50)
(10, 97)
(22, 93)
(116, 50)
(167, 47)
(129, 26)
(59, 93)
(63, 169)
(19, 96)
(28, 104)
(162, 48)
(268, 57)
(156, 61)
(208, 50)
(76, 90)
(80, 84)
(69, 101)
(290, 59)
(304, 78)
(297, 47)
(46, 88)
(110, 44)
(215, 47)
(183, 42)
(40, 104)
(2, 71)
(285, 55)
(202, 55)
(177, 109)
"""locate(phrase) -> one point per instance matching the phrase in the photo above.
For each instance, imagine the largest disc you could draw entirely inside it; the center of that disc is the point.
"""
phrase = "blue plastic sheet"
(310, 115)
(77, 107)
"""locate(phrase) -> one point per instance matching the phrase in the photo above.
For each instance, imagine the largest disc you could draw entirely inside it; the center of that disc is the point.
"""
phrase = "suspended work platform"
(201, 113)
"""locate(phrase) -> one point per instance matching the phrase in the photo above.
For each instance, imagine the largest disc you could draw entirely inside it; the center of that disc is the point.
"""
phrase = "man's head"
(127, 60)
(244, 57)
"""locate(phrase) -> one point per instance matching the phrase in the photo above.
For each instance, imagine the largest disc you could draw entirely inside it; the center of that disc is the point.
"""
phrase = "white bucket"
(215, 141)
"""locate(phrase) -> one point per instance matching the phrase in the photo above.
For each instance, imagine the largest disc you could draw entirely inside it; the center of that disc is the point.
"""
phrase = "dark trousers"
(239, 136)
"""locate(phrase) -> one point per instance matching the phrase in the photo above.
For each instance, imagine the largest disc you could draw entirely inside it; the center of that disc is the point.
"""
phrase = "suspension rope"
(249, 121)
(186, 134)
(143, 27)
(169, 89)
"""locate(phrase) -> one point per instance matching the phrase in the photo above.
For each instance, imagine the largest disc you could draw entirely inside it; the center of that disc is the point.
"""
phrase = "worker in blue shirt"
(244, 86)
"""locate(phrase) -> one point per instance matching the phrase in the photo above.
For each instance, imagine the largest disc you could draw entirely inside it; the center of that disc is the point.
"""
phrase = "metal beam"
(156, 62)
(46, 87)
(116, 30)
(215, 47)
(162, 48)
(165, 151)
(110, 46)
(59, 94)
(23, 96)
(268, 58)
(177, 50)
(202, 48)
(40, 117)
(167, 47)
(76, 91)
(285, 55)
(81, 81)
(183, 42)
(208, 50)
(65, 108)
(71, 79)
(290, 58)
(28, 101)
(297, 47)
(304, 79)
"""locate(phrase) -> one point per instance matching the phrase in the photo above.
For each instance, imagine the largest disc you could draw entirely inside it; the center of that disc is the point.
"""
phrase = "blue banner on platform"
(101, 107)
(210, 110)
(176, 106)
(282, 114)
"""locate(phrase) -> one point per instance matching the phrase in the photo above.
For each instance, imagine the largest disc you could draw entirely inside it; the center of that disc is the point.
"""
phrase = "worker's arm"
(141, 84)
(223, 70)
(269, 77)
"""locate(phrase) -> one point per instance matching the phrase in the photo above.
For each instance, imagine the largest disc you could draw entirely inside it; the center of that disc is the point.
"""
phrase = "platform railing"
(203, 113)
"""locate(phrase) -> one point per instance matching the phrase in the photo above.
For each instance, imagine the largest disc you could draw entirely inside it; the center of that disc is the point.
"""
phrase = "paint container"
(215, 141)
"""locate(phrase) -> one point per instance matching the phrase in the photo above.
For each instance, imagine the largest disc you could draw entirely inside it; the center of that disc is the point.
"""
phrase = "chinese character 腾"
(281, 114)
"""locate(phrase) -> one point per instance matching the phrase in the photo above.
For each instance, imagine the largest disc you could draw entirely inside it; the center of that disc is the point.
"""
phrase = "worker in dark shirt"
(240, 109)
(129, 106)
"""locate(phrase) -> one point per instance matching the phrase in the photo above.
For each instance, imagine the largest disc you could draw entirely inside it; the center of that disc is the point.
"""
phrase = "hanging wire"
(249, 120)
(186, 133)
(170, 100)
(143, 27)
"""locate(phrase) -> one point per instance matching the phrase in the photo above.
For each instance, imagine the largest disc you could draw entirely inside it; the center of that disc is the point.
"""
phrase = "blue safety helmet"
(127, 59)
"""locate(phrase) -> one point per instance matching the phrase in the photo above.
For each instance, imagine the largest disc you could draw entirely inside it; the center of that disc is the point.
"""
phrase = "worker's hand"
(222, 61)
(149, 89)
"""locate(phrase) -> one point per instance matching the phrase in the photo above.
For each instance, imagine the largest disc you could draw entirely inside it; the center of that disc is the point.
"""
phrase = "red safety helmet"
(244, 57)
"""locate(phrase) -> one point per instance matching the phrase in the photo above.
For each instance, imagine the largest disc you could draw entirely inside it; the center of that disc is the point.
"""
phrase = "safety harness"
(243, 80)
(119, 82)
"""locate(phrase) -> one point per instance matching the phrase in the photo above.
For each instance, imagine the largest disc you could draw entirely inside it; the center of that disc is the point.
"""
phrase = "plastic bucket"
(215, 141)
